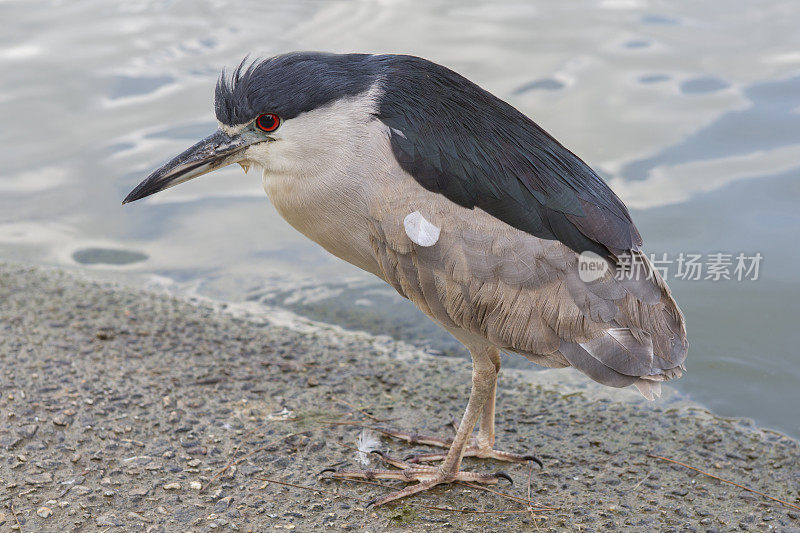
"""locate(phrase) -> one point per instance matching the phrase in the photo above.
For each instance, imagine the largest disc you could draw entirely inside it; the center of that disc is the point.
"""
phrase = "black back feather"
(463, 142)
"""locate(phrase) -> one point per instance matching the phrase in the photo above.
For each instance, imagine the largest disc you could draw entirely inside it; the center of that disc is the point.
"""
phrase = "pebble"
(39, 479)
(136, 516)
(44, 512)
(10, 441)
(27, 431)
(108, 519)
(172, 486)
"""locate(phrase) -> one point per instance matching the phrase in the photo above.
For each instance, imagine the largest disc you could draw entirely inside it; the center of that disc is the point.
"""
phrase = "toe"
(534, 459)
(504, 475)
(408, 491)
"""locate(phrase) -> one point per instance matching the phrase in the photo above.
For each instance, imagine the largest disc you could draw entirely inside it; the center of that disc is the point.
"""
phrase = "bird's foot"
(426, 476)
(473, 449)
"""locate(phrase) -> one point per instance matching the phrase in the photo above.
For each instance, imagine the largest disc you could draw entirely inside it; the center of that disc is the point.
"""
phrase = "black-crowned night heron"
(465, 206)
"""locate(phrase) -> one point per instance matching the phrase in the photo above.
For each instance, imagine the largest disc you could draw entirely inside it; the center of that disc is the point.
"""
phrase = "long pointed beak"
(213, 152)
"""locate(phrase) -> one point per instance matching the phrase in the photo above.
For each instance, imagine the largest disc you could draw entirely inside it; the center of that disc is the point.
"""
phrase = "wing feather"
(524, 294)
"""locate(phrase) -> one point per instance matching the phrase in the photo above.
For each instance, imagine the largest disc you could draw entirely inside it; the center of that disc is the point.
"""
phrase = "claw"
(325, 470)
(534, 459)
(504, 476)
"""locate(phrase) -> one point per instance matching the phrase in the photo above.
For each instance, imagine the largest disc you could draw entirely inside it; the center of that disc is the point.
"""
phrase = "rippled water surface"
(691, 110)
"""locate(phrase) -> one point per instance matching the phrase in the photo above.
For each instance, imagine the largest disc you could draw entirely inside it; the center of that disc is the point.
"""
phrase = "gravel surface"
(124, 410)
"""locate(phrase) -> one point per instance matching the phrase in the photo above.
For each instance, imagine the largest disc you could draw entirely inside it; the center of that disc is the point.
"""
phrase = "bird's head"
(287, 114)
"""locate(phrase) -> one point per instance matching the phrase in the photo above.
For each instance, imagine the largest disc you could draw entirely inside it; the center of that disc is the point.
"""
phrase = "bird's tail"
(646, 343)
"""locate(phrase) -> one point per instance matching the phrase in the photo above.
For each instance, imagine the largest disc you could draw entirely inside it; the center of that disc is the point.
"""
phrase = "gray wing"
(524, 294)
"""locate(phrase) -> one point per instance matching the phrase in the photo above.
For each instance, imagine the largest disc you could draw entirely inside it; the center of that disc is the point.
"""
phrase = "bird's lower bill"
(213, 152)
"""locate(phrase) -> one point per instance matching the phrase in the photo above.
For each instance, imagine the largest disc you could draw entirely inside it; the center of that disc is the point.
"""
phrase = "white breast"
(321, 169)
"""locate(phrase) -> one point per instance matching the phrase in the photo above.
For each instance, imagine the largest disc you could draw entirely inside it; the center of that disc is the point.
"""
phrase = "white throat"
(320, 170)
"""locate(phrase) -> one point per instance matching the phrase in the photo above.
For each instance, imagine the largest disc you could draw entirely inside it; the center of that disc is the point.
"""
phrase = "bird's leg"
(484, 377)
(483, 446)
(485, 440)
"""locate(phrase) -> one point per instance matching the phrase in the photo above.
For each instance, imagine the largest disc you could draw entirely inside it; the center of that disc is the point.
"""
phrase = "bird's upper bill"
(213, 152)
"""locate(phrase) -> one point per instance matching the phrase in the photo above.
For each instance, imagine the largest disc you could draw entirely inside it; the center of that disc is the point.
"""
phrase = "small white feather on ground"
(419, 230)
(367, 442)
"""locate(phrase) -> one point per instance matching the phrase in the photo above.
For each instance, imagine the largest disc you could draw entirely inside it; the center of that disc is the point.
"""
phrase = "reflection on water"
(703, 85)
(547, 84)
(653, 78)
(691, 110)
(770, 120)
(107, 256)
(125, 86)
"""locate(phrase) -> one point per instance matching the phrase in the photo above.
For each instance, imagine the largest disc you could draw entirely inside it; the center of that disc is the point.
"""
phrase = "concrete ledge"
(140, 412)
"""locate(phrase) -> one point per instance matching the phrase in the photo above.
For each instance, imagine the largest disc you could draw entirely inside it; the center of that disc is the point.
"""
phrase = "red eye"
(268, 122)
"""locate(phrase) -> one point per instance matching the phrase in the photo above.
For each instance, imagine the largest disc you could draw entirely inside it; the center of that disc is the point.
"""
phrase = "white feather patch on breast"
(419, 230)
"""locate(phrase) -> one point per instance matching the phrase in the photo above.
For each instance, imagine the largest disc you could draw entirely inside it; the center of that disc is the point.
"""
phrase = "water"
(690, 110)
